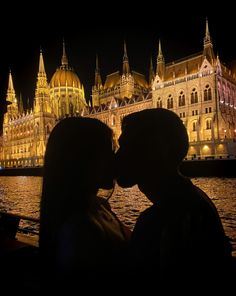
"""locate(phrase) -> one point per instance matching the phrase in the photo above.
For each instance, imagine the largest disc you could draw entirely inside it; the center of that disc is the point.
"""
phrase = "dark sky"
(102, 30)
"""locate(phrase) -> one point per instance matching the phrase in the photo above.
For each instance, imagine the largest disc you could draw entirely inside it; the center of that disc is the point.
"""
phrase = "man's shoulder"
(151, 213)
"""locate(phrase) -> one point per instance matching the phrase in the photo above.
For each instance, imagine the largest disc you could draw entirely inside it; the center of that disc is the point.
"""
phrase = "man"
(180, 237)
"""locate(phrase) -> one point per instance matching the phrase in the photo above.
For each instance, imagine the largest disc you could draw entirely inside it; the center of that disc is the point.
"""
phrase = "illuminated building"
(202, 91)
(25, 134)
(199, 88)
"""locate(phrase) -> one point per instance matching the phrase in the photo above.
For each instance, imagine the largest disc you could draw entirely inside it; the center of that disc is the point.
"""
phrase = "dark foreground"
(21, 270)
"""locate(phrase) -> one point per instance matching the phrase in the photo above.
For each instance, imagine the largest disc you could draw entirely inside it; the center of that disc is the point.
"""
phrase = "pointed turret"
(12, 107)
(42, 77)
(64, 59)
(207, 38)
(42, 90)
(98, 79)
(151, 73)
(126, 68)
(28, 104)
(218, 65)
(41, 63)
(208, 46)
(160, 70)
(21, 106)
(11, 95)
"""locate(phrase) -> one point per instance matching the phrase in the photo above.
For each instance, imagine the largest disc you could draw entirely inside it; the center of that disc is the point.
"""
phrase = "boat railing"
(11, 224)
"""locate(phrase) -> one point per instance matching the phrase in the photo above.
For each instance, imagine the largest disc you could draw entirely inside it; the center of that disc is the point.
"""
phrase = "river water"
(21, 195)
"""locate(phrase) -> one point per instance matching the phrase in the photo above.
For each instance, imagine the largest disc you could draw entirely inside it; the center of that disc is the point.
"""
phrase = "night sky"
(101, 30)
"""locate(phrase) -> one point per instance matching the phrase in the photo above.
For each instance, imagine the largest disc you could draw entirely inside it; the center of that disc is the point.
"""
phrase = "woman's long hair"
(78, 161)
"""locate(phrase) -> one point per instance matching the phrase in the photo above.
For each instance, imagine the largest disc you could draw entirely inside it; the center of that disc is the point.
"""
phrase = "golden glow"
(206, 148)
(65, 77)
(112, 80)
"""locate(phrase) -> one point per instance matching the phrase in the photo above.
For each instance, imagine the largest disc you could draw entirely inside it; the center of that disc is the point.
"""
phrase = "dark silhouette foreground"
(180, 238)
(81, 240)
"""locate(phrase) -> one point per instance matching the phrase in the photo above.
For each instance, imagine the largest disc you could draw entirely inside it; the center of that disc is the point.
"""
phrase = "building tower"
(43, 118)
(208, 51)
(160, 70)
(123, 85)
(66, 90)
(12, 107)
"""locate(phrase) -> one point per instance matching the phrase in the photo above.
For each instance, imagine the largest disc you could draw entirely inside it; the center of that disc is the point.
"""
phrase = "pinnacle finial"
(41, 62)
(159, 48)
(125, 50)
(207, 38)
(64, 60)
(126, 68)
(97, 65)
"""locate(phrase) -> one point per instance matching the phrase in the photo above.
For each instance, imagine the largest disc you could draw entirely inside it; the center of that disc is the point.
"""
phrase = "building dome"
(64, 76)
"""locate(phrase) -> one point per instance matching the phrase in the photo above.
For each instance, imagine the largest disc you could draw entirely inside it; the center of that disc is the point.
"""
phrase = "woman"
(80, 237)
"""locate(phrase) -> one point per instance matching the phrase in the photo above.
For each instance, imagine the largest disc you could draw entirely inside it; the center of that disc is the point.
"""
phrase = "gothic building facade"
(202, 91)
(25, 134)
(199, 88)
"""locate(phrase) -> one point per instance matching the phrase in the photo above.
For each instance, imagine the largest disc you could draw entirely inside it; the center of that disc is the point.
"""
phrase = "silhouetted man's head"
(153, 141)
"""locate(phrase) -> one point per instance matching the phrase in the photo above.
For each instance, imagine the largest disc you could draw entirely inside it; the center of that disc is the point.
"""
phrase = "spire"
(21, 106)
(42, 77)
(160, 70)
(42, 90)
(28, 104)
(160, 55)
(11, 95)
(98, 79)
(208, 46)
(151, 72)
(126, 68)
(11, 100)
(207, 38)
(41, 62)
(218, 64)
(64, 60)
(10, 82)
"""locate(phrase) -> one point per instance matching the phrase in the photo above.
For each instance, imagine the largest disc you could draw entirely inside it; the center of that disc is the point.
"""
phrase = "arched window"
(194, 96)
(170, 102)
(159, 103)
(207, 93)
(194, 126)
(181, 99)
(208, 124)
(63, 109)
(71, 109)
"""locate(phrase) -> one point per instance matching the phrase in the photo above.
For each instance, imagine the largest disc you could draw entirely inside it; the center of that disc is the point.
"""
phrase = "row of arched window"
(208, 125)
(181, 99)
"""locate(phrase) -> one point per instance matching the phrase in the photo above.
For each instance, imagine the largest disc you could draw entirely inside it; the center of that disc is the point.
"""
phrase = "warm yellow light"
(205, 147)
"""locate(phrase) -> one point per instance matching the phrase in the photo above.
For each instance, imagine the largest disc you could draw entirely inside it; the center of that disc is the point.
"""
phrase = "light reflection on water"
(21, 195)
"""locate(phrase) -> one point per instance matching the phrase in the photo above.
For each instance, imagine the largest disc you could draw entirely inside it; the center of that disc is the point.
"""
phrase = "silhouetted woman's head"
(78, 159)
(152, 140)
